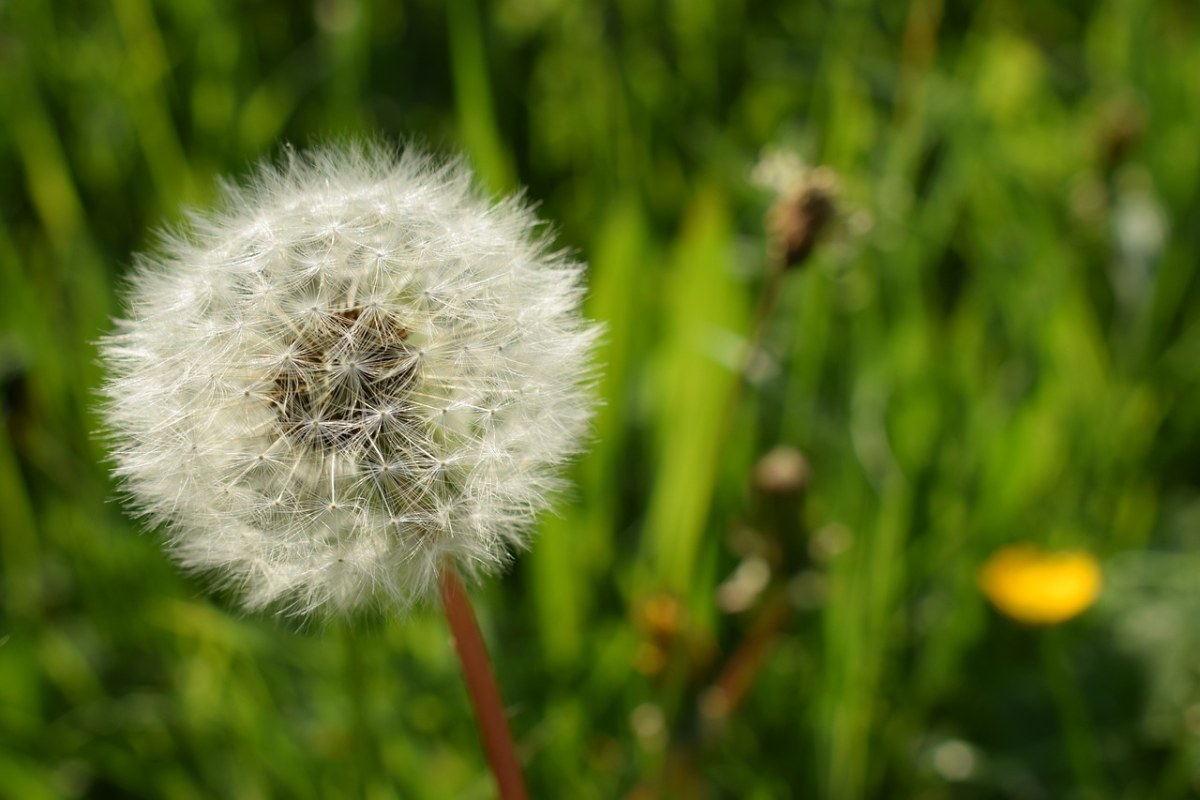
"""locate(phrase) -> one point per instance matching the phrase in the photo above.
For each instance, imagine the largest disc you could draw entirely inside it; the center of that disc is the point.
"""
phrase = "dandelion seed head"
(354, 371)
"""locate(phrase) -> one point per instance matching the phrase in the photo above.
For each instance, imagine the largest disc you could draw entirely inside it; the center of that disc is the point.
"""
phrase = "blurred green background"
(998, 341)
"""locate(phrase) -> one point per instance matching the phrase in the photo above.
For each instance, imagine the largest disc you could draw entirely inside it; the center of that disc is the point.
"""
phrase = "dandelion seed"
(352, 373)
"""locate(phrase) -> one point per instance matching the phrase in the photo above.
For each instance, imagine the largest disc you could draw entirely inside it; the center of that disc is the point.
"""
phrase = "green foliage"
(998, 343)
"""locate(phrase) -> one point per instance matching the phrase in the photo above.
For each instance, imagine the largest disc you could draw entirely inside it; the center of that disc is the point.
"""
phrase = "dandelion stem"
(768, 299)
(481, 685)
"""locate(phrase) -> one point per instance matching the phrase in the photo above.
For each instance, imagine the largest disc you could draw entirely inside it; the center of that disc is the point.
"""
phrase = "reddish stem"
(481, 685)
(740, 671)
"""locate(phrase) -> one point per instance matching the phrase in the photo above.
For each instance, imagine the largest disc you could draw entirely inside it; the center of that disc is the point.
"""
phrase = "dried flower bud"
(661, 616)
(800, 216)
(1120, 126)
(782, 474)
(353, 372)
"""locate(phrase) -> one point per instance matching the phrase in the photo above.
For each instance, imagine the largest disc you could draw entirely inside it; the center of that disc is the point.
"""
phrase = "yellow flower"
(1038, 587)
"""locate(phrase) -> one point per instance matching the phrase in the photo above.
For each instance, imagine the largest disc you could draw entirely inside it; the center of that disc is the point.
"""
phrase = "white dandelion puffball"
(354, 373)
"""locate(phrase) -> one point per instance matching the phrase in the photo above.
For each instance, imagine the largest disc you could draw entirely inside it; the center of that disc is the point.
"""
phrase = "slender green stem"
(481, 685)
(1072, 713)
(768, 299)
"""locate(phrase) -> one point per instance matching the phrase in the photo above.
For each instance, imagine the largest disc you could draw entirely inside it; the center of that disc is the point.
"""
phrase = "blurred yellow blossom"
(1038, 587)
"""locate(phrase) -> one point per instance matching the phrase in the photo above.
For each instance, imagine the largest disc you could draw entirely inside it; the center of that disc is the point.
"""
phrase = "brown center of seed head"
(348, 376)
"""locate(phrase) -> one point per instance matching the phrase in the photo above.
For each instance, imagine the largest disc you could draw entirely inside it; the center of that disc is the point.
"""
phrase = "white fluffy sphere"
(353, 373)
